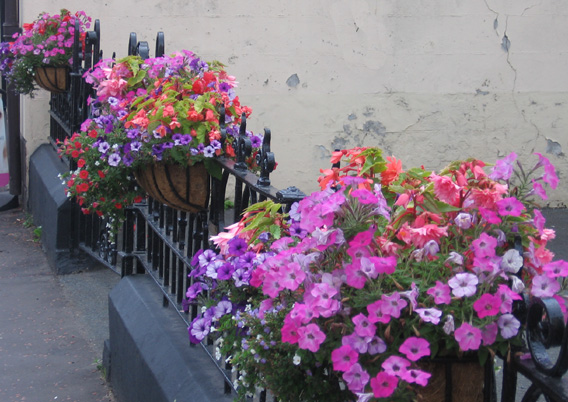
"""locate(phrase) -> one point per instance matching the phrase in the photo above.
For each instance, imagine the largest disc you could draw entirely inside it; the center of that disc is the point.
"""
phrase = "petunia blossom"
(544, 286)
(510, 206)
(344, 357)
(414, 348)
(395, 365)
(383, 385)
(440, 293)
(429, 315)
(463, 284)
(356, 378)
(468, 337)
(487, 305)
(310, 337)
(508, 326)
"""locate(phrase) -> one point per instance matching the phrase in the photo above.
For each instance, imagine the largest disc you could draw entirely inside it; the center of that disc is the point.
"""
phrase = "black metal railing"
(160, 241)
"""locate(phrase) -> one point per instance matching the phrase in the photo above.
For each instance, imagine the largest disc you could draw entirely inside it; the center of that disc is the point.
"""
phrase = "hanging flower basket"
(453, 379)
(54, 79)
(185, 188)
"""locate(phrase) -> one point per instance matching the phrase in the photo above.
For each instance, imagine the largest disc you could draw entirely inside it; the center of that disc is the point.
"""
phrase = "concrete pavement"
(52, 328)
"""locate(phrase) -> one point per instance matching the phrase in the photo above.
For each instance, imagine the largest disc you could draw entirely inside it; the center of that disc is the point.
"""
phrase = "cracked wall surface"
(428, 81)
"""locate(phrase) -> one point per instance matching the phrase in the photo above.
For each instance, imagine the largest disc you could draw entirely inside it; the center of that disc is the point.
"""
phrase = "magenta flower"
(393, 304)
(310, 337)
(289, 333)
(440, 293)
(376, 313)
(549, 176)
(356, 378)
(323, 293)
(503, 168)
(489, 333)
(344, 357)
(368, 268)
(365, 196)
(384, 265)
(272, 284)
(484, 246)
(414, 348)
(463, 284)
(383, 385)
(544, 286)
(429, 315)
(508, 325)
(487, 305)
(468, 337)
(489, 216)
(363, 327)
(539, 221)
(416, 376)
(556, 269)
(510, 206)
(361, 239)
(539, 190)
(356, 278)
(395, 365)
(292, 275)
(506, 296)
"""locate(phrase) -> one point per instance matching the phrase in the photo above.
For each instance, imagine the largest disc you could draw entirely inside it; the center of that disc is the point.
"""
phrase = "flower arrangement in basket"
(353, 293)
(146, 112)
(45, 43)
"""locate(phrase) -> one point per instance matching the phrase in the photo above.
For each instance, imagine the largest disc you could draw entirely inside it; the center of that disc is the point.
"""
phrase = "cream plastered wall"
(429, 81)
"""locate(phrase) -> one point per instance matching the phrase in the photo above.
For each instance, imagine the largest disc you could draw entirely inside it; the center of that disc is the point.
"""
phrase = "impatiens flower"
(544, 286)
(487, 305)
(508, 326)
(356, 378)
(440, 293)
(383, 385)
(510, 206)
(414, 348)
(468, 337)
(463, 284)
(429, 315)
(344, 357)
(445, 188)
(310, 337)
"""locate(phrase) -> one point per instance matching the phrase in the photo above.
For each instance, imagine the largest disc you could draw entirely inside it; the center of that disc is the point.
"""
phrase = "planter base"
(52, 79)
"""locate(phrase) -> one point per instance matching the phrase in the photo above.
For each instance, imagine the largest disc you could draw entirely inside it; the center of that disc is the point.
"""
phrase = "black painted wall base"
(52, 210)
(150, 359)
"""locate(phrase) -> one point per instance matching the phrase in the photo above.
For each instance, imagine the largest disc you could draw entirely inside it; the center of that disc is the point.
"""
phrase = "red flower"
(81, 162)
(83, 174)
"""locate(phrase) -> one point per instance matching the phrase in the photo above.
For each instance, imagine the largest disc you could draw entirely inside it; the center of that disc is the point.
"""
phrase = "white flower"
(297, 360)
(512, 261)
(449, 325)
(517, 286)
(218, 353)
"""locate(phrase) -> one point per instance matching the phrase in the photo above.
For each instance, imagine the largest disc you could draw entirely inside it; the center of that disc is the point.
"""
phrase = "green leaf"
(213, 168)
(275, 231)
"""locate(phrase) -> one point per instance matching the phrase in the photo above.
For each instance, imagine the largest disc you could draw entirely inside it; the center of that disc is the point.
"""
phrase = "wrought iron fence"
(160, 241)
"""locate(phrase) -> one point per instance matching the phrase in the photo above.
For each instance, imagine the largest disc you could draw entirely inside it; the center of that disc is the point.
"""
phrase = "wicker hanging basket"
(185, 188)
(54, 79)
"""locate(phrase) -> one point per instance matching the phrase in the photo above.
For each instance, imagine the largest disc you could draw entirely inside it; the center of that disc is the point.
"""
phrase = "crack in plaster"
(421, 118)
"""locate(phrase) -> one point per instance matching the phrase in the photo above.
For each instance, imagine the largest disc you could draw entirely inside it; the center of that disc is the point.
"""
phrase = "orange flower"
(394, 168)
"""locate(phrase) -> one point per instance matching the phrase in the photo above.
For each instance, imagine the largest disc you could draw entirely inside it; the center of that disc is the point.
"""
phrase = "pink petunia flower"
(292, 275)
(463, 284)
(503, 168)
(556, 269)
(355, 277)
(506, 296)
(549, 176)
(487, 305)
(416, 376)
(357, 342)
(414, 348)
(544, 286)
(489, 216)
(468, 337)
(289, 333)
(376, 346)
(510, 206)
(440, 293)
(344, 357)
(356, 378)
(363, 327)
(395, 365)
(539, 221)
(365, 196)
(484, 246)
(310, 337)
(539, 190)
(323, 294)
(393, 304)
(489, 333)
(376, 313)
(383, 385)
